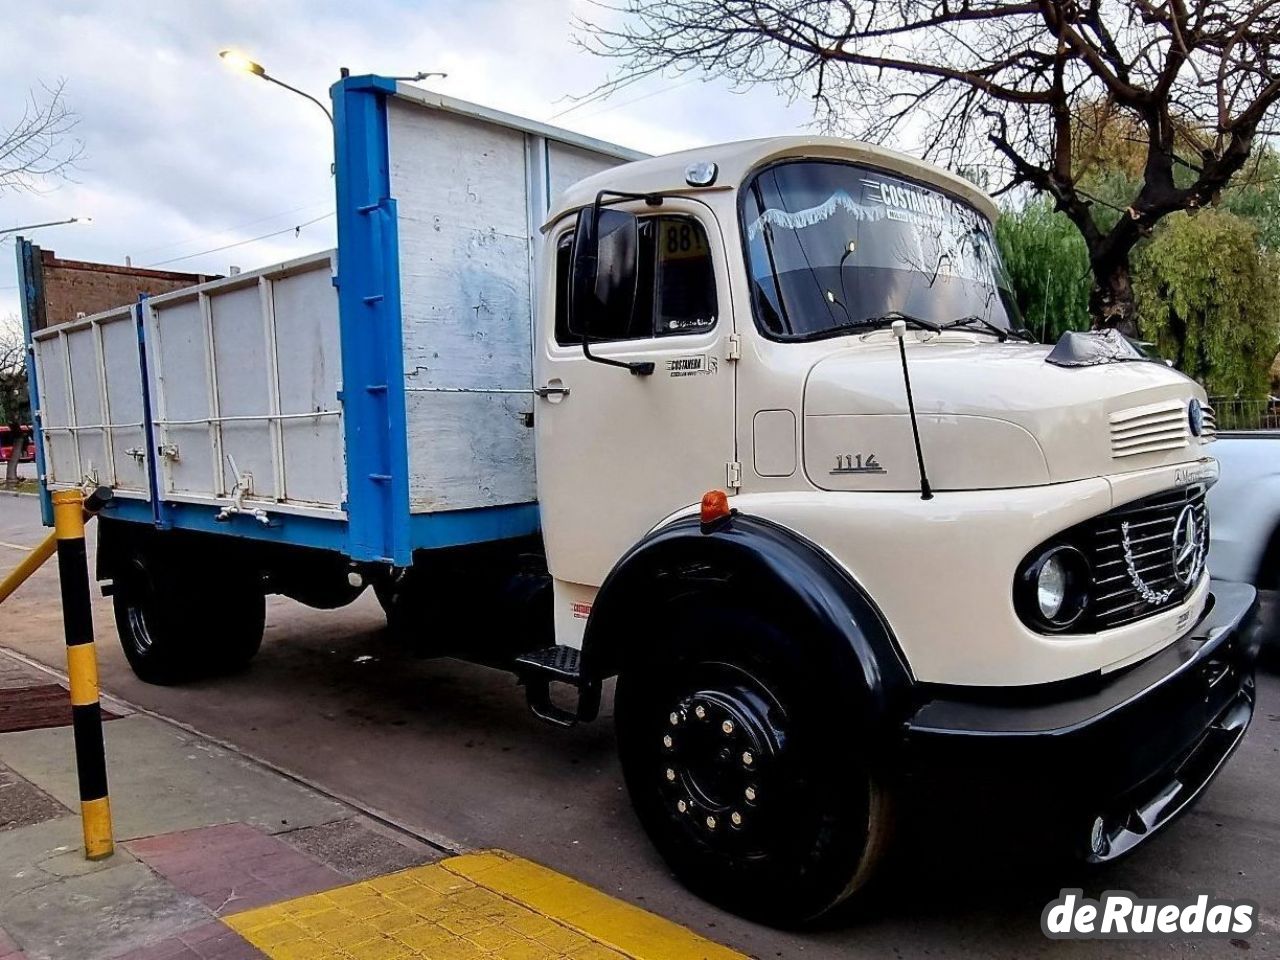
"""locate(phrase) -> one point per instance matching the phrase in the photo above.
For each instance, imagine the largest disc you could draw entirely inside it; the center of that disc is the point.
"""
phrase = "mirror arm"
(637, 368)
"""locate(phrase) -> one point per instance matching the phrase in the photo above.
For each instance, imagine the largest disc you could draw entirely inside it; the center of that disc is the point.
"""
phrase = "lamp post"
(238, 61)
(50, 223)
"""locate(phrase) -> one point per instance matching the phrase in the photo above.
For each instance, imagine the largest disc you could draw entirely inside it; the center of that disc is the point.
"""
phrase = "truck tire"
(755, 802)
(172, 632)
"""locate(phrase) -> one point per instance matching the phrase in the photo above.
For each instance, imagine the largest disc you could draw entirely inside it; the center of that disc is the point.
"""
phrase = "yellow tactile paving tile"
(480, 905)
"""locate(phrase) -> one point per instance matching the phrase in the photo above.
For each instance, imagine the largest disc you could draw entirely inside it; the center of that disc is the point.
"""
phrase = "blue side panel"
(369, 304)
(28, 293)
(284, 528)
(456, 527)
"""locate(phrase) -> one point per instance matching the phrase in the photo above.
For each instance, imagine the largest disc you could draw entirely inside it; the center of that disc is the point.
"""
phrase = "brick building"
(66, 289)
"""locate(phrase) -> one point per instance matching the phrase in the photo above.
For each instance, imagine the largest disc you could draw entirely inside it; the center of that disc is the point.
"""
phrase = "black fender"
(772, 569)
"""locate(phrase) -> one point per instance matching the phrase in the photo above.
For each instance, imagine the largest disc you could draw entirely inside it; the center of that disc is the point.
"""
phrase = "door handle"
(551, 391)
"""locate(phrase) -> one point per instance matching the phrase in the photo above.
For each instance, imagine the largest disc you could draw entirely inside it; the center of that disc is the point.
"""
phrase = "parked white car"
(1244, 511)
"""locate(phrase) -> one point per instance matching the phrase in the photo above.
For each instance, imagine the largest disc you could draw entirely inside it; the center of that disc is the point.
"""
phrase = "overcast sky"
(183, 155)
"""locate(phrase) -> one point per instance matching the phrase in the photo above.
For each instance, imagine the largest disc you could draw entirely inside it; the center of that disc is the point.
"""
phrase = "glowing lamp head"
(715, 507)
(238, 61)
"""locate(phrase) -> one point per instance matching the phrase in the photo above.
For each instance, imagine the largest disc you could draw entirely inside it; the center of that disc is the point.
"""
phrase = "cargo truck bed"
(375, 399)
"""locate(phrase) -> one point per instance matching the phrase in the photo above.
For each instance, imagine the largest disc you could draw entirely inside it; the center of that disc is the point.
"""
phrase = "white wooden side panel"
(243, 375)
(55, 411)
(310, 375)
(86, 399)
(247, 372)
(568, 164)
(125, 402)
(471, 194)
(90, 384)
(180, 366)
(464, 276)
(459, 185)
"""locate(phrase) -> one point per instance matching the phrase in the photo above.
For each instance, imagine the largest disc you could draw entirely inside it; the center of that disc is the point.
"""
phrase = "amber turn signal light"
(715, 506)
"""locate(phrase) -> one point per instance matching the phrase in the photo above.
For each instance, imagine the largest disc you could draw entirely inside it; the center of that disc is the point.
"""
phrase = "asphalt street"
(448, 750)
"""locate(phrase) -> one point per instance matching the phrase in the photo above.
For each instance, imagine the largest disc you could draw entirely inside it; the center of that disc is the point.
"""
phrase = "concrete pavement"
(448, 750)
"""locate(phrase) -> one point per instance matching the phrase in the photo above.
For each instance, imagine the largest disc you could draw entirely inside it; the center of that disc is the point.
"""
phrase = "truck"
(749, 431)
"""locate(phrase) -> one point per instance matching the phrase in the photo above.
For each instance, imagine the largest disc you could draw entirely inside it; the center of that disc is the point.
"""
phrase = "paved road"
(449, 749)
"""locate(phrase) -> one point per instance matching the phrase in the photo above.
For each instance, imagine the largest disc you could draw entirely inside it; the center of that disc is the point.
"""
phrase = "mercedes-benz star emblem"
(1195, 417)
(1188, 550)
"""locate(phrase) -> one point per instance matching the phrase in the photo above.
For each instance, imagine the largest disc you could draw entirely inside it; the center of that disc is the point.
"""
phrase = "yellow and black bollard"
(82, 668)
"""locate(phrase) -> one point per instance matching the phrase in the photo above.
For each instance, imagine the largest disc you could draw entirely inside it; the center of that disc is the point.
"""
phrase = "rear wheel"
(174, 629)
(752, 797)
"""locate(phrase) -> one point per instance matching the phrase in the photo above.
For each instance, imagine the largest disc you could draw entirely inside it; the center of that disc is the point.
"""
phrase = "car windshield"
(834, 246)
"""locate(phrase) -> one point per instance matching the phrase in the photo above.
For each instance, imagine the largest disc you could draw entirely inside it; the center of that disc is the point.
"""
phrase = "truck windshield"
(833, 246)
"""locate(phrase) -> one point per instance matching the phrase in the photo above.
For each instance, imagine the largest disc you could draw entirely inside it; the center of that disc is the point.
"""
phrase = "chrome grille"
(1151, 428)
(1132, 553)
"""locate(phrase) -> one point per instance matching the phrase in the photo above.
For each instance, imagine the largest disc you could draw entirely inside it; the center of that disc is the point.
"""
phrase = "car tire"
(737, 776)
(171, 632)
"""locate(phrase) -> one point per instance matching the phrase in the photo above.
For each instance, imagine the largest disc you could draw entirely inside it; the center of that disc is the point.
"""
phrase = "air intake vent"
(1210, 431)
(1149, 429)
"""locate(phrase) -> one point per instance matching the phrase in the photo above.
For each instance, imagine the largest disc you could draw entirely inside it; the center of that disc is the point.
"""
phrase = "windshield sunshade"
(831, 246)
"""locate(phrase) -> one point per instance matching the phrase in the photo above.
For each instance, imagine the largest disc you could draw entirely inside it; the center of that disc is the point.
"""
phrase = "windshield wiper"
(885, 319)
(973, 320)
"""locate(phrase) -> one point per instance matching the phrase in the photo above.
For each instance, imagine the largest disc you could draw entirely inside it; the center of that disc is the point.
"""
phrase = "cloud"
(183, 155)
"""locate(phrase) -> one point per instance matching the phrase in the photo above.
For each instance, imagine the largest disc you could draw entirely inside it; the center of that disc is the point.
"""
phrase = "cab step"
(538, 669)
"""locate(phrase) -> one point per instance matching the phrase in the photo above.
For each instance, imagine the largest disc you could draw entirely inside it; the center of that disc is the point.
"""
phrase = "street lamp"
(51, 223)
(238, 61)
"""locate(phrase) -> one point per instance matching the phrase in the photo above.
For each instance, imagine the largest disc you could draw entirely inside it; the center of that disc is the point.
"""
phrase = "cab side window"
(676, 289)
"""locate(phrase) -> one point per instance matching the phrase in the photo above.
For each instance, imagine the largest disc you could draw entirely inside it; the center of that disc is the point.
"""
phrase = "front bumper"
(1112, 758)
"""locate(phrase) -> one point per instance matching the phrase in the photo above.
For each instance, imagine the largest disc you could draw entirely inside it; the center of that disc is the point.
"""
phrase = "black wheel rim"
(721, 757)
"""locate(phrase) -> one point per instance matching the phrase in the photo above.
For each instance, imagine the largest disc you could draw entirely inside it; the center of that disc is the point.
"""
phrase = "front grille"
(1142, 561)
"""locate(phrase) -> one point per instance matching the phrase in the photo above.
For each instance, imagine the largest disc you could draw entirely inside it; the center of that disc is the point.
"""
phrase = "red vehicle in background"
(7, 441)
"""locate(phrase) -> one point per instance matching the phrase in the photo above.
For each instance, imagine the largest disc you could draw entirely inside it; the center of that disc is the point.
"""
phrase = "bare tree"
(999, 83)
(15, 407)
(40, 146)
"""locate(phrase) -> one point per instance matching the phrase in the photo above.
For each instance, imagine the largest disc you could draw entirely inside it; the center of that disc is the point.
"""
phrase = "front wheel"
(174, 629)
(753, 799)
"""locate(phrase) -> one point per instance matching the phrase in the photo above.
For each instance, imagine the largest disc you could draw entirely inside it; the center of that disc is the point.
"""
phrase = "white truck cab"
(822, 331)
(752, 428)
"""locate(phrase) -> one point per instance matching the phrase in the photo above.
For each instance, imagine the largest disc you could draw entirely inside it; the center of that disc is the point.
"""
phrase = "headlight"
(1052, 590)
(1051, 587)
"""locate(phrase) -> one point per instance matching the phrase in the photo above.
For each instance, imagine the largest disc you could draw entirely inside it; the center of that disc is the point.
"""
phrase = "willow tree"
(1209, 294)
(1003, 83)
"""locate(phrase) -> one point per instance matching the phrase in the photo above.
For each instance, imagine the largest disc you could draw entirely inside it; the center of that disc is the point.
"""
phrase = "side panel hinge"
(733, 474)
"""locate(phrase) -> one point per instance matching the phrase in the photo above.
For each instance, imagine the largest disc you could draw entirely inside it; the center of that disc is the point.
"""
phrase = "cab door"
(617, 451)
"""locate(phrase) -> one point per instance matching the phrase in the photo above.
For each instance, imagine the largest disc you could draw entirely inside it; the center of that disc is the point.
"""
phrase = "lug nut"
(700, 712)
(671, 775)
(667, 741)
(727, 727)
(711, 823)
(750, 794)
(736, 818)
(674, 718)
(747, 758)
(682, 806)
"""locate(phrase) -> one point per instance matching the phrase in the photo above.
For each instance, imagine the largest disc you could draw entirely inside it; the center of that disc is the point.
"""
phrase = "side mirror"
(605, 273)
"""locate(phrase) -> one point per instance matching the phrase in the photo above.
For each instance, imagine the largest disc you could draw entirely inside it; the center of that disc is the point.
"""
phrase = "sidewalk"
(220, 858)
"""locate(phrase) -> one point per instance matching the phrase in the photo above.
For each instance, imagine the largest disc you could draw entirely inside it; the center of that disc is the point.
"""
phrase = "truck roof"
(666, 173)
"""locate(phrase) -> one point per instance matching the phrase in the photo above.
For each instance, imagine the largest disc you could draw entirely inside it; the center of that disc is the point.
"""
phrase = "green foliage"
(1209, 296)
(1255, 196)
(1048, 267)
